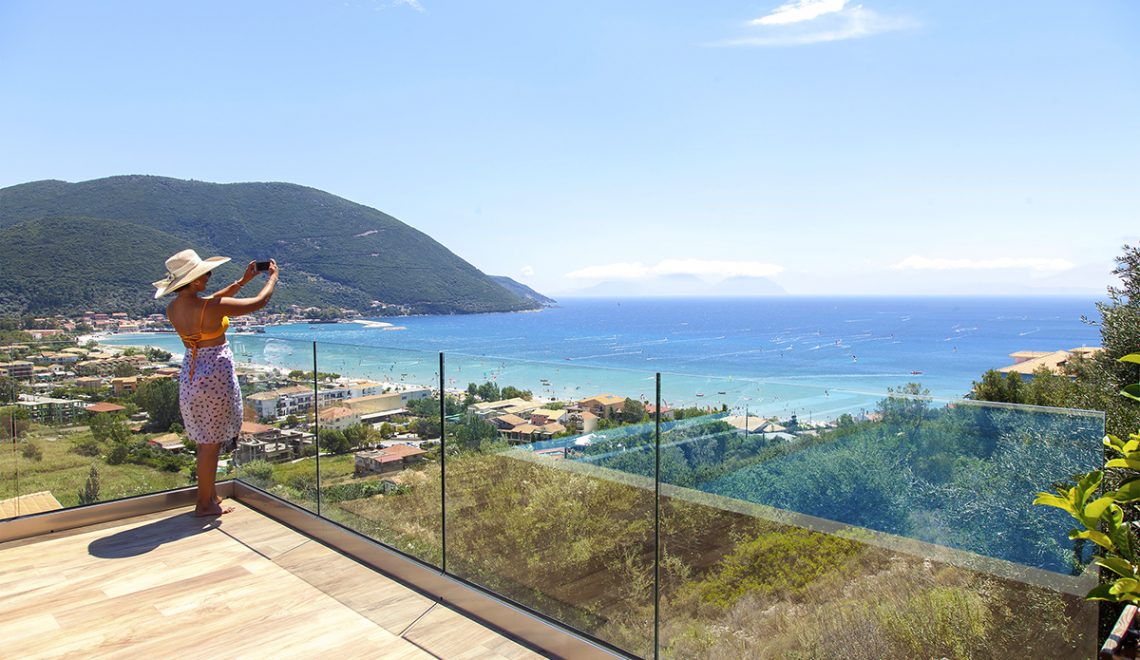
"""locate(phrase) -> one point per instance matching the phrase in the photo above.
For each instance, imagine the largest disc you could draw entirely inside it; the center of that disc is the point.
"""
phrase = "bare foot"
(215, 509)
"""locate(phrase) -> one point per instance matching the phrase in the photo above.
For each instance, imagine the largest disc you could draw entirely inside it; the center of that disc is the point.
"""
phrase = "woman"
(208, 393)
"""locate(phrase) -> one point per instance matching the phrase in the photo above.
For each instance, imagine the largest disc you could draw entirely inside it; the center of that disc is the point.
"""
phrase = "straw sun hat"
(183, 268)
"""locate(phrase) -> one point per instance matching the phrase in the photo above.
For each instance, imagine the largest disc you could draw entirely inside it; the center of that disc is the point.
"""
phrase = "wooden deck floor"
(171, 585)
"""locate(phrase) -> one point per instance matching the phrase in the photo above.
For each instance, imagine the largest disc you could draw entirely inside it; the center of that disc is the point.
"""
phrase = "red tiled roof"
(253, 428)
(402, 451)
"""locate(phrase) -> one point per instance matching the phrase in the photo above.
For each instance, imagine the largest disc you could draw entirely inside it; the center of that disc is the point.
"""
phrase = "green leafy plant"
(1133, 390)
(1102, 518)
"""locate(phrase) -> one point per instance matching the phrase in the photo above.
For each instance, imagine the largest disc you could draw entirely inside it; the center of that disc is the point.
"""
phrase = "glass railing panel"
(13, 443)
(533, 510)
(380, 439)
(907, 526)
(86, 419)
(276, 449)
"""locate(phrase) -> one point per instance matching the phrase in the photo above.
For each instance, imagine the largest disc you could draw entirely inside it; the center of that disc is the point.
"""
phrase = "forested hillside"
(66, 247)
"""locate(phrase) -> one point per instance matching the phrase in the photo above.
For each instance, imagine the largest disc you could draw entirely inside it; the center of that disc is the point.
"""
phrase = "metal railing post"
(442, 468)
(657, 522)
(317, 425)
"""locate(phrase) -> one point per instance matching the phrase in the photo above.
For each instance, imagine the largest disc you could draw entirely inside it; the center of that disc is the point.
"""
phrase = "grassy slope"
(64, 473)
(579, 549)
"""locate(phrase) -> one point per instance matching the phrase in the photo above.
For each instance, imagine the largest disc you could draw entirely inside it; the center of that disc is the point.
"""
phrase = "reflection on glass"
(908, 526)
(380, 438)
(90, 426)
(528, 517)
(277, 447)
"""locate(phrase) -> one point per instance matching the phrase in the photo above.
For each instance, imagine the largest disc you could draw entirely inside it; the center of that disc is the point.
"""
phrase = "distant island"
(66, 248)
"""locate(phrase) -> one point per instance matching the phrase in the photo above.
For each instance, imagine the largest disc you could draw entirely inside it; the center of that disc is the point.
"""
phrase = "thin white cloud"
(714, 269)
(527, 270)
(618, 271)
(1040, 265)
(818, 21)
(798, 11)
(414, 4)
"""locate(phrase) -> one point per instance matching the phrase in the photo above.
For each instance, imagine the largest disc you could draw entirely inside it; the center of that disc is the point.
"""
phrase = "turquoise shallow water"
(814, 356)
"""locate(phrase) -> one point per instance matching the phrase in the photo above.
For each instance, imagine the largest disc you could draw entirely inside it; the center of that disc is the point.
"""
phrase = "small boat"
(916, 373)
(722, 392)
(700, 393)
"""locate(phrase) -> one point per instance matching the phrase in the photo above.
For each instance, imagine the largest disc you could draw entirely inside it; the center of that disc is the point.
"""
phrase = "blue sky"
(834, 147)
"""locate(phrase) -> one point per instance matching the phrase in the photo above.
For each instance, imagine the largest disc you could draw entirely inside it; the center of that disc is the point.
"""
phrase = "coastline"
(816, 358)
(547, 381)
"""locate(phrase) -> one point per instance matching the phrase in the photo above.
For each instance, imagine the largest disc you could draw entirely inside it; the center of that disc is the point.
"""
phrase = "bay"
(813, 356)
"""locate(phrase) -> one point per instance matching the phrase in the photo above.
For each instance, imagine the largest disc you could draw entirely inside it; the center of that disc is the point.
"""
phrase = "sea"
(817, 357)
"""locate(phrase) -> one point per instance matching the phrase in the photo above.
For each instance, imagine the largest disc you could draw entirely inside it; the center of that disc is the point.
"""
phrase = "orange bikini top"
(198, 337)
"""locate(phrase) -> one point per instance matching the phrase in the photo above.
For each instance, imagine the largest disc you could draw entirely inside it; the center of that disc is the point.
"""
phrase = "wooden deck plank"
(171, 585)
(445, 633)
(390, 604)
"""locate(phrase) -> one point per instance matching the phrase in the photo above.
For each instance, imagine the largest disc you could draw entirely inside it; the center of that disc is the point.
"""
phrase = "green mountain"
(523, 290)
(69, 247)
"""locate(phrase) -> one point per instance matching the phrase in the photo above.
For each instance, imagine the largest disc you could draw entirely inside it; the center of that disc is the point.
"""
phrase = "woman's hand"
(273, 268)
(250, 272)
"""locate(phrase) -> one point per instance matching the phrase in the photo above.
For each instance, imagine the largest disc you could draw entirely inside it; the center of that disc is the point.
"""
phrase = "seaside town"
(63, 379)
(66, 378)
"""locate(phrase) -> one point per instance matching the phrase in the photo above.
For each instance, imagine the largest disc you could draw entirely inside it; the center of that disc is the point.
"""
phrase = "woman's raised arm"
(239, 306)
(250, 273)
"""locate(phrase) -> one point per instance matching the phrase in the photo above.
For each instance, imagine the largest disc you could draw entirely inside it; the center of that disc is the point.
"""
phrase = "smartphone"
(262, 266)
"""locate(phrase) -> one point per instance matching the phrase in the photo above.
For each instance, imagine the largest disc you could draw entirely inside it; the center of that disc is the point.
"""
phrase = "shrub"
(118, 454)
(90, 491)
(941, 622)
(86, 447)
(256, 472)
(32, 451)
(783, 562)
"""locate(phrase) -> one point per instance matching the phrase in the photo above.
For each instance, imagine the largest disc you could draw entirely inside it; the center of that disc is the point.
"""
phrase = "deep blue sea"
(812, 355)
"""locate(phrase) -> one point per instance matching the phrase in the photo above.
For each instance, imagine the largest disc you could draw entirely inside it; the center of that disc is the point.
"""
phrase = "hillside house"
(392, 458)
(1026, 363)
(602, 405)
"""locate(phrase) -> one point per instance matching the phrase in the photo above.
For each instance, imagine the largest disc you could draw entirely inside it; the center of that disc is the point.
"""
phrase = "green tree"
(992, 387)
(473, 433)
(1050, 389)
(487, 392)
(356, 435)
(108, 426)
(512, 392)
(908, 405)
(9, 389)
(334, 441)
(159, 398)
(1119, 336)
(387, 430)
(157, 354)
(13, 422)
(632, 411)
(426, 429)
(89, 494)
(1013, 387)
(124, 369)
